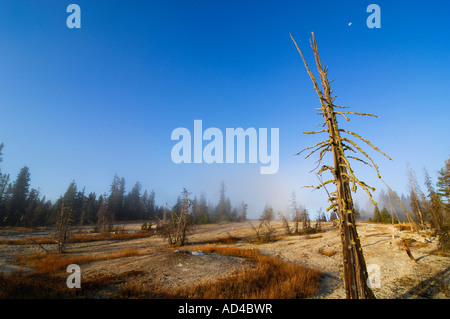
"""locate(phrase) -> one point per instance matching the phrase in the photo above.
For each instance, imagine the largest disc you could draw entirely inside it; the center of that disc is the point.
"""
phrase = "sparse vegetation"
(48, 279)
(51, 262)
(21, 285)
(146, 226)
(269, 278)
(265, 232)
(78, 238)
(228, 239)
(177, 226)
(62, 232)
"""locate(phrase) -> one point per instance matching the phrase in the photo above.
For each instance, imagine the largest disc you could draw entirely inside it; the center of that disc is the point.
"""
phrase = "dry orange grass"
(51, 262)
(230, 251)
(403, 227)
(19, 285)
(268, 278)
(28, 240)
(77, 238)
(228, 239)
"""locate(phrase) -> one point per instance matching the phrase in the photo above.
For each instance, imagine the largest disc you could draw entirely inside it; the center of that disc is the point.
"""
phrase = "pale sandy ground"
(428, 277)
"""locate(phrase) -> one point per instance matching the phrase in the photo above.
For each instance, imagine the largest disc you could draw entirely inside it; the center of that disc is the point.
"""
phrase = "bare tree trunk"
(408, 252)
(355, 271)
(408, 216)
(422, 224)
(392, 217)
(62, 227)
(175, 228)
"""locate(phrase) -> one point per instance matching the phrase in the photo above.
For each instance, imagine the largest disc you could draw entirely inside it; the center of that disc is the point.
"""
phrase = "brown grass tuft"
(269, 278)
(19, 285)
(51, 262)
(229, 239)
(78, 238)
(327, 251)
(411, 242)
(403, 227)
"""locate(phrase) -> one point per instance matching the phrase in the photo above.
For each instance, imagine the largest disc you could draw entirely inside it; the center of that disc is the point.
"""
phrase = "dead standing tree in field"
(62, 227)
(355, 274)
(176, 227)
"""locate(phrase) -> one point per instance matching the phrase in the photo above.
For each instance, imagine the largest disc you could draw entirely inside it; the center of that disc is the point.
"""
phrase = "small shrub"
(264, 233)
(327, 251)
(146, 226)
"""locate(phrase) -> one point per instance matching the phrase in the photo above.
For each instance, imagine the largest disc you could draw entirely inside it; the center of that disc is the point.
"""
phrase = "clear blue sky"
(85, 104)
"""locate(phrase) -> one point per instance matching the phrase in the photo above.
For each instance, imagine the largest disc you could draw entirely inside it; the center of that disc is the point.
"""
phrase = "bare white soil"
(399, 277)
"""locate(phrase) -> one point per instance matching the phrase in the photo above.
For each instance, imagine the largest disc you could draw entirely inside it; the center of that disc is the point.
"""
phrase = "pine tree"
(116, 198)
(43, 211)
(333, 216)
(4, 180)
(357, 212)
(32, 202)
(132, 204)
(91, 208)
(75, 200)
(223, 208)
(436, 209)
(376, 215)
(19, 194)
(203, 211)
(148, 205)
(443, 185)
(385, 217)
(243, 212)
(295, 211)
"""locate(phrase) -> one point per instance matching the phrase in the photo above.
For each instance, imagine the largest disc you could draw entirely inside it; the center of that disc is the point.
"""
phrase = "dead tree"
(265, 232)
(176, 226)
(105, 219)
(285, 222)
(295, 212)
(415, 199)
(411, 221)
(354, 271)
(185, 219)
(435, 207)
(62, 232)
(306, 221)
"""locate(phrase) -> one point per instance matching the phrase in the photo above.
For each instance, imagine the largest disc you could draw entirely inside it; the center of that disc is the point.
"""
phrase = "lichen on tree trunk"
(355, 274)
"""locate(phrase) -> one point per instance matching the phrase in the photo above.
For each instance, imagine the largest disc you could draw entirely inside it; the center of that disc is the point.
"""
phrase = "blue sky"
(85, 104)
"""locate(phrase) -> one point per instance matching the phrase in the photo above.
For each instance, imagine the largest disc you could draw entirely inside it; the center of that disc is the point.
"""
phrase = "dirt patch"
(168, 269)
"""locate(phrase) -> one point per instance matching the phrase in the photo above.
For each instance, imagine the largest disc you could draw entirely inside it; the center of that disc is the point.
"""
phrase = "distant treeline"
(23, 206)
(429, 203)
